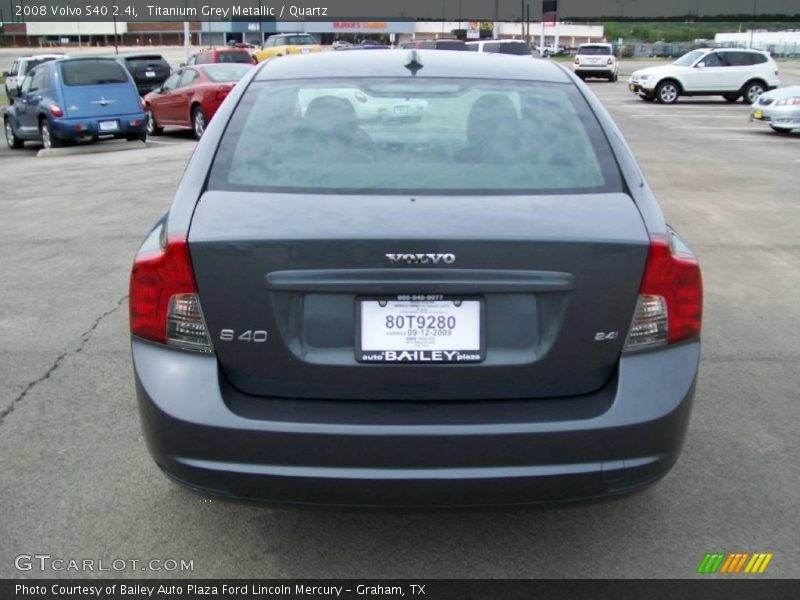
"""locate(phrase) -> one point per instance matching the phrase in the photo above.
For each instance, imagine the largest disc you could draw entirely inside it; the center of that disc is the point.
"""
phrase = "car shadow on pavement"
(547, 541)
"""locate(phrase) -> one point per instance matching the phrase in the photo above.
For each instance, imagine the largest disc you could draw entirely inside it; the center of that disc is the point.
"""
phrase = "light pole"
(751, 24)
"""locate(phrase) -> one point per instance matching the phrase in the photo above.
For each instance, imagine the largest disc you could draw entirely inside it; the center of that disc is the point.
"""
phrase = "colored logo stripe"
(711, 562)
(721, 562)
(758, 564)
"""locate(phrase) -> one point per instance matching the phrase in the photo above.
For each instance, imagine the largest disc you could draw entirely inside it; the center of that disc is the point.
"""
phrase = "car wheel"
(667, 92)
(152, 126)
(11, 139)
(198, 122)
(780, 129)
(612, 78)
(731, 97)
(49, 139)
(752, 92)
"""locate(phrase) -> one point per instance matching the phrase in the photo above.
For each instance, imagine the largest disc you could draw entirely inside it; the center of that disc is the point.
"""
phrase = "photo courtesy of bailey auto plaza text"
(399, 298)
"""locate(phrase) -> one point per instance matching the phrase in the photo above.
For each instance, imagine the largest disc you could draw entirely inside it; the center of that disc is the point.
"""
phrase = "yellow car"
(287, 43)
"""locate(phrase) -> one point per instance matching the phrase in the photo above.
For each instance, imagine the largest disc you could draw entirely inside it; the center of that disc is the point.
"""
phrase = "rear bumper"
(146, 87)
(598, 71)
(75, 128)
(212, 438)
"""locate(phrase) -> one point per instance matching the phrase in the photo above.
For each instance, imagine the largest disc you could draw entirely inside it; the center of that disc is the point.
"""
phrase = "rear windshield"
(222, 72)
(142, 58)
(594, 51)
(233, 57)
(418, 136)
(519, 49)
(297, 40)
(92, 72)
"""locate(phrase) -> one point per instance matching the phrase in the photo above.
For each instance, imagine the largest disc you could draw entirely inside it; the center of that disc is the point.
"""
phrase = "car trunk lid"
(281, 276)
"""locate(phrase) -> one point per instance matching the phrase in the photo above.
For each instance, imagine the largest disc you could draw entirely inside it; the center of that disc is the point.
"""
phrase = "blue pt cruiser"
(75, 99)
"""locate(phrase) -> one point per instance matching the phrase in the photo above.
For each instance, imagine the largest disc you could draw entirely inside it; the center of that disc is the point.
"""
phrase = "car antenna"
(413, 63)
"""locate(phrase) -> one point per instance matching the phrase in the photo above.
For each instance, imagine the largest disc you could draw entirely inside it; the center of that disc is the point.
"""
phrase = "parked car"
(550, 50)
(75, 99)
(283, 44)
(732, 73)
(780, 108)
(435, 44)
(149, 71)
(191, 96)
(21, 67)
(596, 60)
(339, 44)
(434, 313)
(517, 47)
(220, 55)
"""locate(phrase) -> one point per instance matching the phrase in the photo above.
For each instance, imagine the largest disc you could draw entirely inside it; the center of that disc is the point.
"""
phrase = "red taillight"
(673, 273)
(157, 277)
(577, 60)
(361, 96)
(609, 62)
(55, 110)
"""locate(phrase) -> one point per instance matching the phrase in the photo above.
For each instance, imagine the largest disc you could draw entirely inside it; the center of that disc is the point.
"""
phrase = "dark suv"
(149, 71)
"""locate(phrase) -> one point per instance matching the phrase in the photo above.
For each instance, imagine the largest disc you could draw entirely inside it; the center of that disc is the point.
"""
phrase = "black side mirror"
(14, 92)
(6, 73)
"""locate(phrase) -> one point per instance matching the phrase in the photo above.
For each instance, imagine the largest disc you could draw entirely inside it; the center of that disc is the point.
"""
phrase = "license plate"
(758, 114)
(108, 125)
(419, 329)
(401, 110)
(303, 50)
(149, 73)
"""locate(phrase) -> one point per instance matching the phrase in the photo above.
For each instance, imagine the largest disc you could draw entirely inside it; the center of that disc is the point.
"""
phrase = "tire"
(199, 122)
(11, 138)
(152, 126)
(752, 91)
(137, 137)
(731, 97)
(612, 78)
(49, 139)
(667, 92)
(780, 130)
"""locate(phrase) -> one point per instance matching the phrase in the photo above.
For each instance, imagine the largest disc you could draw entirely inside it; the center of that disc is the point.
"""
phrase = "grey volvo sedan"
(480, 305)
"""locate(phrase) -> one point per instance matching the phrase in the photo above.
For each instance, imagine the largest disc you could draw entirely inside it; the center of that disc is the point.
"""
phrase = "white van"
(22, 66)
(517, 47)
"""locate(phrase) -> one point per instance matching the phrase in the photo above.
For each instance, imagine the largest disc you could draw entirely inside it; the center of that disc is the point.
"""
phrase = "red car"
(190, 96)
(220, 55)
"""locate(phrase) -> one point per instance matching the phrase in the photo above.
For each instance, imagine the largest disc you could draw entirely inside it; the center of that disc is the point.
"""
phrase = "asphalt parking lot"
(77, 482)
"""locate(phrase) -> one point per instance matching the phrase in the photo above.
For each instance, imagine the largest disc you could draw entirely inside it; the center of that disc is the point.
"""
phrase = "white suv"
(732, 73)
(596, 60)
(22, 66)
